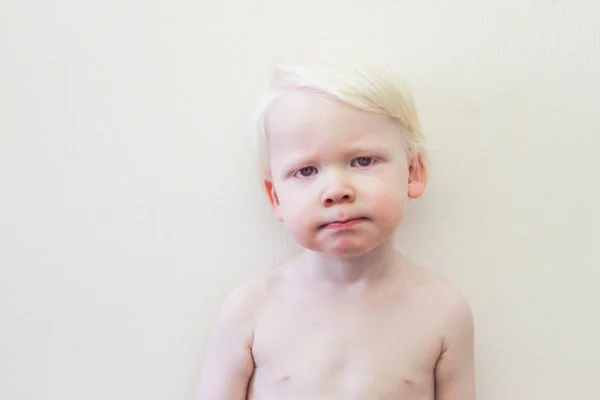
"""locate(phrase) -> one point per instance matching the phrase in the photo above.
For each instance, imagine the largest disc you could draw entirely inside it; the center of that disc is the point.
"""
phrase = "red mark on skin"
(408, 381)
(285, 378)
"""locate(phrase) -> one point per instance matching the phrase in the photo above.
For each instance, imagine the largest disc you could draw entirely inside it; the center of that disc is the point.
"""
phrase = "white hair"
(372, 87)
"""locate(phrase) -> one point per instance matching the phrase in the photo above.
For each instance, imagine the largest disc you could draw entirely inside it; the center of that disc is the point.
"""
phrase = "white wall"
(127, 205)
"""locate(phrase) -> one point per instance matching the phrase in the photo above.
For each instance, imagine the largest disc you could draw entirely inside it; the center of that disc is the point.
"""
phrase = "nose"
(337, 193)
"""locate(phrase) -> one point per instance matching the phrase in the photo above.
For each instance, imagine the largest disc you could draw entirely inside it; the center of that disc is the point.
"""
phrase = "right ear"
(272, 196)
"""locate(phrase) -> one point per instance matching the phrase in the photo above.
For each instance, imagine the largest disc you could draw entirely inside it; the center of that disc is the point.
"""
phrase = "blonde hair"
(371, 87)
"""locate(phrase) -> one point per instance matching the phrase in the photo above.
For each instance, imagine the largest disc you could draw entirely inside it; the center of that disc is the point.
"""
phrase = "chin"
(349, 250)
(342, 246)
(347, 253)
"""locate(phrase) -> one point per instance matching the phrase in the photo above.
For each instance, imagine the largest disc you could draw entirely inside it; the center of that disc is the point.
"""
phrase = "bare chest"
(310, 349)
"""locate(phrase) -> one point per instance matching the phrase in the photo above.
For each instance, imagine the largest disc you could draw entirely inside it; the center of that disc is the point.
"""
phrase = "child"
(350, 318)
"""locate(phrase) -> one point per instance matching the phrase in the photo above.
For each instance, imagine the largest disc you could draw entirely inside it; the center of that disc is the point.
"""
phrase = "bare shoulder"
(447, 302)
(247, 298)
(228, 362)
(450, 313)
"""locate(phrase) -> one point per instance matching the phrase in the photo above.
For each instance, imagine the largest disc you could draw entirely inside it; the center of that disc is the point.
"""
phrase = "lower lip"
(342, 225)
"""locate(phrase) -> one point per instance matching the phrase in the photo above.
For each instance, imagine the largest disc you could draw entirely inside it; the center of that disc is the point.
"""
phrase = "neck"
(370, 266)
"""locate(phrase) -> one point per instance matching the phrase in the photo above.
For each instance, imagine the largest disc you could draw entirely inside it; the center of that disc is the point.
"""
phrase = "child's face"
(331, 163)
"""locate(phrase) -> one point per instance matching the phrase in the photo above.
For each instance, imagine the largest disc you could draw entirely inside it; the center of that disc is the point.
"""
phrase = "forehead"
(301, 119)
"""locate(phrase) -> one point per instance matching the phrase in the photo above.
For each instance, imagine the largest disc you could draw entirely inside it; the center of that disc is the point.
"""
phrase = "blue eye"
(305, 172)
(362, 161)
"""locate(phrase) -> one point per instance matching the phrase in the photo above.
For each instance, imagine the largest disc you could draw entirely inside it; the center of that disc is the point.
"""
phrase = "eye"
(305, 172)
(362, 161)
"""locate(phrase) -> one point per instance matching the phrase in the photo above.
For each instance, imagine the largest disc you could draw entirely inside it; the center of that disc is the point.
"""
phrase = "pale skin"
(351, 318)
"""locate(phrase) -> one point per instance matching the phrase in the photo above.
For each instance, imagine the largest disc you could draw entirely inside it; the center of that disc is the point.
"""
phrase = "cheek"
(299, 221)
(300, 215)
(295, 207)
(390, 203)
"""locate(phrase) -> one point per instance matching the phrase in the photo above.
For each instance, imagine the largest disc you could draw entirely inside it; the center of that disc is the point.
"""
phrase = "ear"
(272, 196)
(417, 176)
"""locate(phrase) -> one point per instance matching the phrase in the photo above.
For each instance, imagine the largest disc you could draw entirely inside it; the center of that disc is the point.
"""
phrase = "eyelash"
(297, 173)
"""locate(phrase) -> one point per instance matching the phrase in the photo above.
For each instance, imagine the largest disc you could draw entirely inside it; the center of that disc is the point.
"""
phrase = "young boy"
(350, 318)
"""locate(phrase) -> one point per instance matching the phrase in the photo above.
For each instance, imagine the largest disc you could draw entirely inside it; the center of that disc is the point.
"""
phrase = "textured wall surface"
(128, 209)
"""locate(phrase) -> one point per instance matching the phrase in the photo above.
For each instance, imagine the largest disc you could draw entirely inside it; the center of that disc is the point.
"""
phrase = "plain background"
(128, 208)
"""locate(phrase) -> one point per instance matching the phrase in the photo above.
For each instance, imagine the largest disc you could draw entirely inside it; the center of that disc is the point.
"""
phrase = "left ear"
(417, 176)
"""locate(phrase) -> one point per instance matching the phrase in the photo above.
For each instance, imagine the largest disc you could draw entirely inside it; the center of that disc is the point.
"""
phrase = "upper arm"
(228, 363)
(455, 369)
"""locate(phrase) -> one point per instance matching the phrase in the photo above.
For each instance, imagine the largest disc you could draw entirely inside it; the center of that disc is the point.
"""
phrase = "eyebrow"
(298, 161)
(360, 148)
(367, 149)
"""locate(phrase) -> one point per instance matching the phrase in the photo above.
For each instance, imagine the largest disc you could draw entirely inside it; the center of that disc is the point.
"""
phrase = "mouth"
(342, 224)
